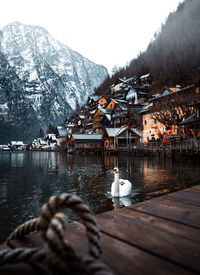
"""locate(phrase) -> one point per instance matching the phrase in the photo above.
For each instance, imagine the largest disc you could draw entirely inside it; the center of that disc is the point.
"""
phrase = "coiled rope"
(57, 256)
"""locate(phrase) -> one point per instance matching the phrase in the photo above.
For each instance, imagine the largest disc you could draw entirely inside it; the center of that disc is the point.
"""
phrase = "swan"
(120, 187)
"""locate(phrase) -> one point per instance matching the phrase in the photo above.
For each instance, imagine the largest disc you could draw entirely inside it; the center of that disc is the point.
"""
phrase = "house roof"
(145, 76)
(137, 131)
(87, 136)
(42, 142)
(108, 116)
(96, 97)
(17, 143)
(191, 119)
(114, 132)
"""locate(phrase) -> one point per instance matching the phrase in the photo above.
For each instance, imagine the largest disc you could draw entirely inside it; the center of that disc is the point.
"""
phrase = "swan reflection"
(123, 201)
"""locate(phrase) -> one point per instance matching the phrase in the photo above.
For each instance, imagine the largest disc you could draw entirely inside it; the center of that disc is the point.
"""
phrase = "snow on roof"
(120, 100)
(18, 143)
(144, 76)
(131, 93)
(42, 142)
(54, 137)
(95, 97)
(104, 110)
(70, 124)
(136, 131)
(87, 136)
(108, 116)
(113, 132)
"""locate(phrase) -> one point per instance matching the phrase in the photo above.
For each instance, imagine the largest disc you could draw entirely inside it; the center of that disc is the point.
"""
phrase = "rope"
(57, 256)
(33, 256)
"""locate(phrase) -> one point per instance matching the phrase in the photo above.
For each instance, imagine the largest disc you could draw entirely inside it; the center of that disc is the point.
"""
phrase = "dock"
(157, 236)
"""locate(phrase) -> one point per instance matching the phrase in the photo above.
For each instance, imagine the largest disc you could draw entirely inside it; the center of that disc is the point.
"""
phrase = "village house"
(17, 145)
(169, 103)
(119, 113)
(97, 117)
(137, 95)
(39, 143)
(118, 138)
(152, 129)
(191, 124)
(51, 140)
(85, 142)
(94, 101)
(145, 80)
(61, 137)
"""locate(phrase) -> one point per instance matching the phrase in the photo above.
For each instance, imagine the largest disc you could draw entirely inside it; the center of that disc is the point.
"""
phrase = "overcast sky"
(108, 32)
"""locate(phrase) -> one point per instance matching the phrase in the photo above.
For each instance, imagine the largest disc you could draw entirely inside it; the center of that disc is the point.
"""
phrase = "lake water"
(28, 179)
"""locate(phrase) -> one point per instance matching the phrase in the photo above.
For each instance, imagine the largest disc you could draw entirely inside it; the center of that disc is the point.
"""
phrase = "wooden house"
(119, 113)
(96, 118)
(152, 129)
(85, 142)
(111, 105)
(17, 145)
(39, 143)
(137, 95)
(94, 101)
(118, 138)
(51, 140)
(118, 89)
(146, 79)
(169, 102)
(62, 136)
(191, 124)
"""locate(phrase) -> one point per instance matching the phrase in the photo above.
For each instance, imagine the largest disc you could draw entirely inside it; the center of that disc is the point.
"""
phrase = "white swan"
(120, 187)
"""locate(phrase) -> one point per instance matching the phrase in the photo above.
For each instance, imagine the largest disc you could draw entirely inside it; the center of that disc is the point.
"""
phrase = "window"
(145, 122)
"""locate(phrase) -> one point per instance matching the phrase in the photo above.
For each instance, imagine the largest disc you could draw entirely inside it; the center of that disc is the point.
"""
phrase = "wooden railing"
(191, 145)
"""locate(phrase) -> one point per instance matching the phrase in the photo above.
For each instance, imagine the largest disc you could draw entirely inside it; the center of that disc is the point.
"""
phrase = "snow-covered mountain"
(41, 80)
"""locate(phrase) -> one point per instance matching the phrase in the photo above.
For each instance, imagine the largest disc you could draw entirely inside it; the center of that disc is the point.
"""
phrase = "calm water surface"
(28, 179)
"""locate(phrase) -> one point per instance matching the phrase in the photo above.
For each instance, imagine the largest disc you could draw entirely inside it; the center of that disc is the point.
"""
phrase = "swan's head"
(115, 170)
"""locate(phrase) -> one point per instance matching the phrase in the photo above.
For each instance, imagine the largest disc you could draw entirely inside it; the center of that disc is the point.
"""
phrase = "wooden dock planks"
(158, 236)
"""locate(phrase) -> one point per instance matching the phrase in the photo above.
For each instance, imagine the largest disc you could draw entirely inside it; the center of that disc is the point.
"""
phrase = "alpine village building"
(130, 115)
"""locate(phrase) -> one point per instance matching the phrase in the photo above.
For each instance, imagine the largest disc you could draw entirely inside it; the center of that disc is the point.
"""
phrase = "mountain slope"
(173, 55)
(41, 80)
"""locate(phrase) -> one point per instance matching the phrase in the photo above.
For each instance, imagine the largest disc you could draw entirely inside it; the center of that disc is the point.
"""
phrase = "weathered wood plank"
(146, 238)
(189, 196)
(121, 257)
(171, 209)
(143, 231)
(194, 188)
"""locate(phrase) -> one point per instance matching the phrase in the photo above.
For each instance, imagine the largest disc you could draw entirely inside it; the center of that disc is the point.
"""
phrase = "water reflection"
(121, 202)
(28, 179)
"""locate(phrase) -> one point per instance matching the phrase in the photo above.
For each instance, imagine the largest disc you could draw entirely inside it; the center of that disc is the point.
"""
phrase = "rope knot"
(57, 256)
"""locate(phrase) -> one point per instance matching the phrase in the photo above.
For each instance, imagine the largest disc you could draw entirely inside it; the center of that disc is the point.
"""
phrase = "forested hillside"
(173, 55)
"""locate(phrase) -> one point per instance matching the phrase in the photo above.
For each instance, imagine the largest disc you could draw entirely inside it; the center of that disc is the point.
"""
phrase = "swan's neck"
(116, 185)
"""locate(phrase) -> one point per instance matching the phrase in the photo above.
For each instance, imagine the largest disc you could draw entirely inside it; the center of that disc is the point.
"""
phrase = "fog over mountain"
(42, 81)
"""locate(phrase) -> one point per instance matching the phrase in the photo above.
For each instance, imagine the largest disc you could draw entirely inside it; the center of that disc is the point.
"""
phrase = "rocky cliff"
(41, 80)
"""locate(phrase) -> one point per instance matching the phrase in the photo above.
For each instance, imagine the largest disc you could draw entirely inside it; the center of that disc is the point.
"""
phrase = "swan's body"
(118, 202)
(120, 187)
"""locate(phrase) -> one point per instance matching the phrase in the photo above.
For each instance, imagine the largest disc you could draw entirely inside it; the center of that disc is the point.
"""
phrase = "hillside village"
(130, 115)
